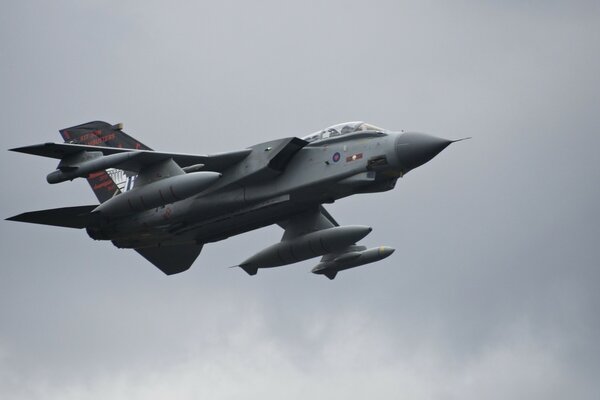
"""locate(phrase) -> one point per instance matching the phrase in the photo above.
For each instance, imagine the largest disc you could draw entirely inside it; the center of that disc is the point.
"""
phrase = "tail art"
(110, 182)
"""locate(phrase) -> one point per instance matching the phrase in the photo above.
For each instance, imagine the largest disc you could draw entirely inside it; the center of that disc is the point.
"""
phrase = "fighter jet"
(167, 206)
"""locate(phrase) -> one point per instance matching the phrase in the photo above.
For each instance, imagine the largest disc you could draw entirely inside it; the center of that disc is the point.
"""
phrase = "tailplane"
(110, 182)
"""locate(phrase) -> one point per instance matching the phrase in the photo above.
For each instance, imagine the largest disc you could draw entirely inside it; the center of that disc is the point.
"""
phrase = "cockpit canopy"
(342, 129)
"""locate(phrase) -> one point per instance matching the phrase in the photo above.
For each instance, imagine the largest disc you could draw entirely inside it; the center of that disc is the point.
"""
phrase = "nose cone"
(415, 149)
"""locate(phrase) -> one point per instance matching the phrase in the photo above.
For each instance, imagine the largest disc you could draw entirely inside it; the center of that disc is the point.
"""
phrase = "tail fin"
(108, 183)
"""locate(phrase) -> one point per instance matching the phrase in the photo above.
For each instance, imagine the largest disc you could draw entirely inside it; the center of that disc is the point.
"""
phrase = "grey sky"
(492, 291)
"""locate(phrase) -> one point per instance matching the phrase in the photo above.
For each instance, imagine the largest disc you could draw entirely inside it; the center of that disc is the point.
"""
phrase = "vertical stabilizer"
(110, 182)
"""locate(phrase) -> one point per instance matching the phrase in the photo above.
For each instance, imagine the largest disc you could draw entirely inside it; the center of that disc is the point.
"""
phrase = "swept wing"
(214, 162)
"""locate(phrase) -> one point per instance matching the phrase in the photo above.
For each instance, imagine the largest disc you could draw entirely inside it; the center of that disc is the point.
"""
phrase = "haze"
(492, 291)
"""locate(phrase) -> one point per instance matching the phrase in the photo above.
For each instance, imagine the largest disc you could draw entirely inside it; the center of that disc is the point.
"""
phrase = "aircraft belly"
(138, 234)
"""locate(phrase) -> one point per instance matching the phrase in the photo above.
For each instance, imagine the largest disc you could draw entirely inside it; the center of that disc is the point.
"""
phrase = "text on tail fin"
(110, 182)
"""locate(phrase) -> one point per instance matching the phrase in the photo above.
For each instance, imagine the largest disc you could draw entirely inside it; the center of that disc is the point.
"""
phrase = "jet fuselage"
(321, 172)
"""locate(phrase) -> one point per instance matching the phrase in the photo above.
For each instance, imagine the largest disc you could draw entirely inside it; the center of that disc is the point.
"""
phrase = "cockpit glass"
(342, 129)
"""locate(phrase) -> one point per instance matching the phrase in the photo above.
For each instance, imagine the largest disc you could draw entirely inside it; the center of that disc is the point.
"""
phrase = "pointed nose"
(415, 149)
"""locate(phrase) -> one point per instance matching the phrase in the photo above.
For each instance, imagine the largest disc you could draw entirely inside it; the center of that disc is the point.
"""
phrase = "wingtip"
(17, 218)
(28, 149)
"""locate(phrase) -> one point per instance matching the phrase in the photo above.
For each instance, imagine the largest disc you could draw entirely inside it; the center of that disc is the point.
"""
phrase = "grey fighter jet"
(166, 206)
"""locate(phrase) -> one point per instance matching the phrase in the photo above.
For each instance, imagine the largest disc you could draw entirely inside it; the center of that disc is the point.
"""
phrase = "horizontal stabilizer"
(69, 217)
(172, 259)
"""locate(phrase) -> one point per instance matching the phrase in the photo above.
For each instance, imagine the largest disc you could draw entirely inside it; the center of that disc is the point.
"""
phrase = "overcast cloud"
(492, 291)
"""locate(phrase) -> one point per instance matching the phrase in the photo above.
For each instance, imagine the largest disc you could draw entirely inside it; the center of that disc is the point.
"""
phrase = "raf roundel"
(336, 157)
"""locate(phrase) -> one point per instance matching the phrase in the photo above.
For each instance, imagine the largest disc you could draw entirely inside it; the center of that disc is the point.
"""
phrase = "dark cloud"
(492, 290)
